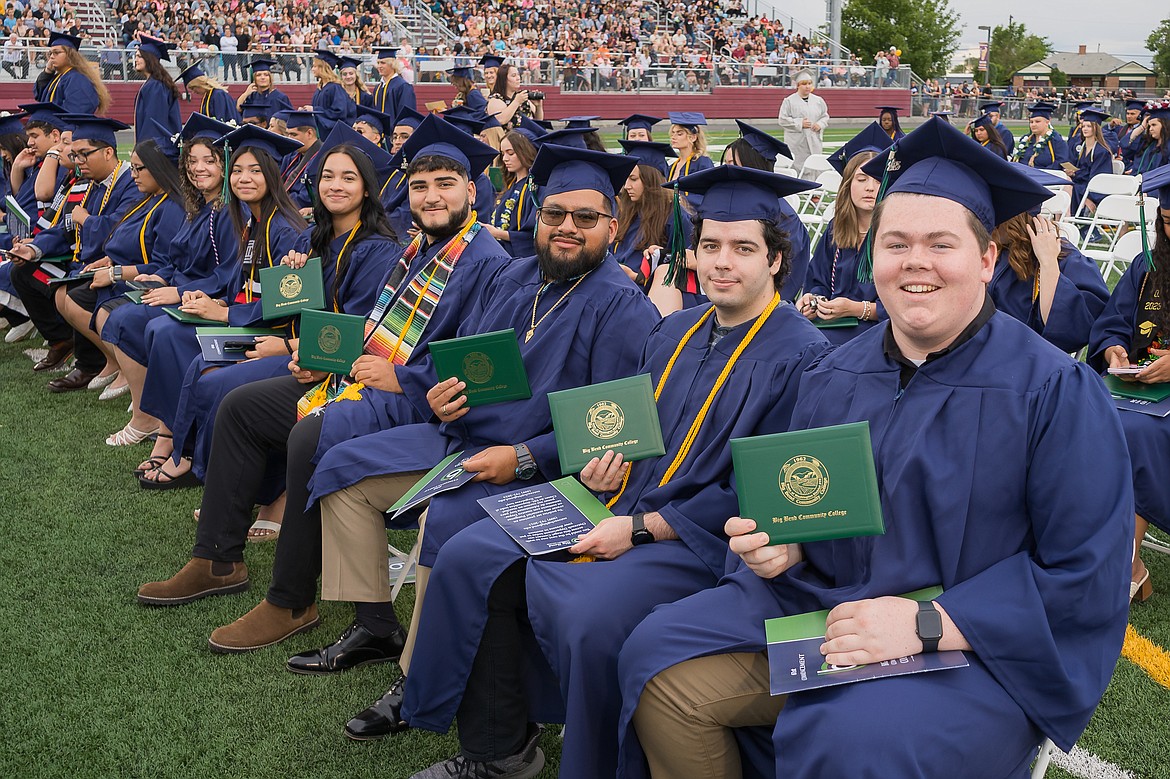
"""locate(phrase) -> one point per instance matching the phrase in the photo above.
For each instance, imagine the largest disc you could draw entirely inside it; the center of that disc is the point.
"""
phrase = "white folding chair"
(1105, 184)
(1043, 758)
(1057, 205)
(1069, 232)
(1125, 250)
(815, 165)
(1114, 215)
(1118, 166)
(816, 223)
(786, 171)
(830, 180)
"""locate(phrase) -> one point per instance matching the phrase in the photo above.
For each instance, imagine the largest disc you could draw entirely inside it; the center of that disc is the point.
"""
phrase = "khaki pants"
(685, 715)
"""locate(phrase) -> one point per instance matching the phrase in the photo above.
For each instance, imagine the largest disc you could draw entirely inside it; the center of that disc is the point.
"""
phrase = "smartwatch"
(525, 463)
(928, 625)
(639, 534)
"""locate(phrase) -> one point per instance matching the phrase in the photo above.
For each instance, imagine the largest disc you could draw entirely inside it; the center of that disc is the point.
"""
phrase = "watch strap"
(927, 610)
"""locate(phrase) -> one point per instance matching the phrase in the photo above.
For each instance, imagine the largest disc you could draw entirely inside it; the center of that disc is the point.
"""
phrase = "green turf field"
(96, 685)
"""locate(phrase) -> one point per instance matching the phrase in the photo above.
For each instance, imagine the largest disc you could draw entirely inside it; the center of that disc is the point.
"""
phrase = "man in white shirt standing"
(804, 117)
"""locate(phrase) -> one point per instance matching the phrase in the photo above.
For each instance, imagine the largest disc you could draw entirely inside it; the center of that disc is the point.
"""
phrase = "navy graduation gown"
(595, 334)
(123, 196)
(331, 104)
(273, 99)
(518, 203)
(1089, 164)
(608, 599)
(485, 197)
(1080, 297)
(273, 241)
(294, 170)
(155, 101)
(679, 168)
(799, 256)
(1032, 552)
(143, 239)
(206, 384)
(218, 104)
(1148, 436)
(396, 203)
(390, 97)
(628, 254)
(72, 91)
(475, 100)
(1048, 155)
(1129, 144)
(841, 281)
(1009, 140)
(1148, 156)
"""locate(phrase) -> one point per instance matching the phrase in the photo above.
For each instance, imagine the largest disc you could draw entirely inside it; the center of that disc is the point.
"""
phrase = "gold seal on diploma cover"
(804, 480)
(290, 286)
(605, 419)
(478, 368)
(329, 339)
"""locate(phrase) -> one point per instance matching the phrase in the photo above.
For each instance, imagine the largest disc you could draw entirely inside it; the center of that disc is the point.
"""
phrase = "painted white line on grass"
(1088, 766)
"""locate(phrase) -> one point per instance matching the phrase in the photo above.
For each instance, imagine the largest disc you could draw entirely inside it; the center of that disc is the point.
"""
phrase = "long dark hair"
(746, 156)
(192, 198)
(275, 199)
(525, 151)
(1160, 278)
(501, 82)
(655, 207)
(163, 170)
(372, 216)
(14, 144)
(155, 70)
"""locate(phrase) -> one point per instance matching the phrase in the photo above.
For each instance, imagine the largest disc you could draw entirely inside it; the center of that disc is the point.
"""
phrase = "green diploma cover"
(330, 342)
(189, 319)
(809, 485)
(831, 324)
(617, 415)
(489, 364)
(1137, 390)
(289, 291)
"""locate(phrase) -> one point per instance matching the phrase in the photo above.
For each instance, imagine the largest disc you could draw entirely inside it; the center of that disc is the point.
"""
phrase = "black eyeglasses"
(136, 168)
(582, 217)
(81, 156)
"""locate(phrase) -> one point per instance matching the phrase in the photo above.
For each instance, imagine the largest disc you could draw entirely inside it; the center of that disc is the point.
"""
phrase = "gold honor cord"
(101, 207)
(337, 265)
(142, 232)
(56, 83)
(696, 425)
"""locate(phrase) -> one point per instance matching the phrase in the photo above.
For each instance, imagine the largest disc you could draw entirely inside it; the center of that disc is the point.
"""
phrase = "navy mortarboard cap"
(984, 121)
(328, 57)
(729, 193)
(546, 124)
(1159, 109)
(945, 115)
(466, 119)
(490, 122)
(256, 109)
(155, 47)
(687, 118)
(1042, 177)
(64, 39)
(1041, 109)
(462, 71)
(939, 160)
(262, 64)
(1081, 105)
(252, 137)
(49, 113)
(558, 169)
(994, 105)
(893, 109)
(10, 123)
(191, 73)
(572, 137)
(95, 128)
(768, 146)
(573, 122)
(1093, 115)
(386, 52)
(340, 134)
(162, 137)
(640, 122)
(437, 136)
(491, 61)
(347, 61)
(202, 126)
(530, 129)
(408, 117)
(650, 153)
(296, 119)
(1135, 105)
(1158, 180)
(871, 138)
(383, 121)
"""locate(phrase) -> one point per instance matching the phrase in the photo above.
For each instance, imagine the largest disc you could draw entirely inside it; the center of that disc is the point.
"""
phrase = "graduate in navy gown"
(434, 286)
(982, 129)
(296, 167)
(375, 126)
(647, 220)
(262, 90)
(394, 92)
(472, 123)
(394, 196)
(75, 84)
(1133, 332)
(1043, 148)
(214, 100)
(331, 103)
(355, 256)
(267, 227)
(44, 123)
(351, 80)
(1016, 515)
(513, 220)
(689, 140)
(158, 97)
(1151, 146)
(833, 290)
(992, 111)
(639, 127)
(1129, 137)
(760, 150)
(662, 543)
(1091, 154)
(467, 94)
(888, 121)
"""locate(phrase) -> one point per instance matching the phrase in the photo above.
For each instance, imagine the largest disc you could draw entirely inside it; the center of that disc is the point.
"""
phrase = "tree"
(927, 32)
(1058, 78)
(1159, 44)
(1012, 48)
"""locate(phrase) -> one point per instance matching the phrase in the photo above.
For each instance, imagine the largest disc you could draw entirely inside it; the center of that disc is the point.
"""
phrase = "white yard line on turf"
(1088, 766)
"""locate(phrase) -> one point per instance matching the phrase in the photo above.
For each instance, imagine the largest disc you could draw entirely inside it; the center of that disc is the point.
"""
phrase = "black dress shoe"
(382, 719)
(76, 379)
(58, 354)
(356, 647)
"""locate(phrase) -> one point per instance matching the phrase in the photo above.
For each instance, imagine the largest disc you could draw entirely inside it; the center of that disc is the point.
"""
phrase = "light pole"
(987, 72)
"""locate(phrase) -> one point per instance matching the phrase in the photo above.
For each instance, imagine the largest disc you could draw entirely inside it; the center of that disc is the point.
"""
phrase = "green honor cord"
(865, 264)
(227, 166)
(1145, 236)
(676, 270)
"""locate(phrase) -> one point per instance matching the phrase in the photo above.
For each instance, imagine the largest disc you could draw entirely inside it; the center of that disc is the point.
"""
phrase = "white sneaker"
(4, 323)
(20, 332)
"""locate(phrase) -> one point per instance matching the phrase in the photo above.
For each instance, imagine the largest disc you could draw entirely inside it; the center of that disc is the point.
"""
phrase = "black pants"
(493, 715)
(254, 423)
(38, 301)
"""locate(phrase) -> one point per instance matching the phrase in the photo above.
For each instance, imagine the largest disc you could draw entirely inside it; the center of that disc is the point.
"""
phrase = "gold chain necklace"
(536, 301)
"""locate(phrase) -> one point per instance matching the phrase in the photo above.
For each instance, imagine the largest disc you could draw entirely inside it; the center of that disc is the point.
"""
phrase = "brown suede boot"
(194, 581)
(263, 626)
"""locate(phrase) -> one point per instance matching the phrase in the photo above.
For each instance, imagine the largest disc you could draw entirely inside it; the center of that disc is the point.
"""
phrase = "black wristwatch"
(928, 625)
(526, 466)
(640, 535)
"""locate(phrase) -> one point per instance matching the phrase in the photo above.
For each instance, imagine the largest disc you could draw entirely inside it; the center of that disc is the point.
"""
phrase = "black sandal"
(155, 462)
(188, 479)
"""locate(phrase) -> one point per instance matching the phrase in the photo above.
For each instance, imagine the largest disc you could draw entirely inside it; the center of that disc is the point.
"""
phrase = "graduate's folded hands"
(447, 400)
(605, 473)
(162, 296)
(199, 304)
(766, 561)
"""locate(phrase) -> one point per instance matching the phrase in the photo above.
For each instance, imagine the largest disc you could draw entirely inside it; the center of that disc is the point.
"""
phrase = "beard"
(559, 265)
(455, 220)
